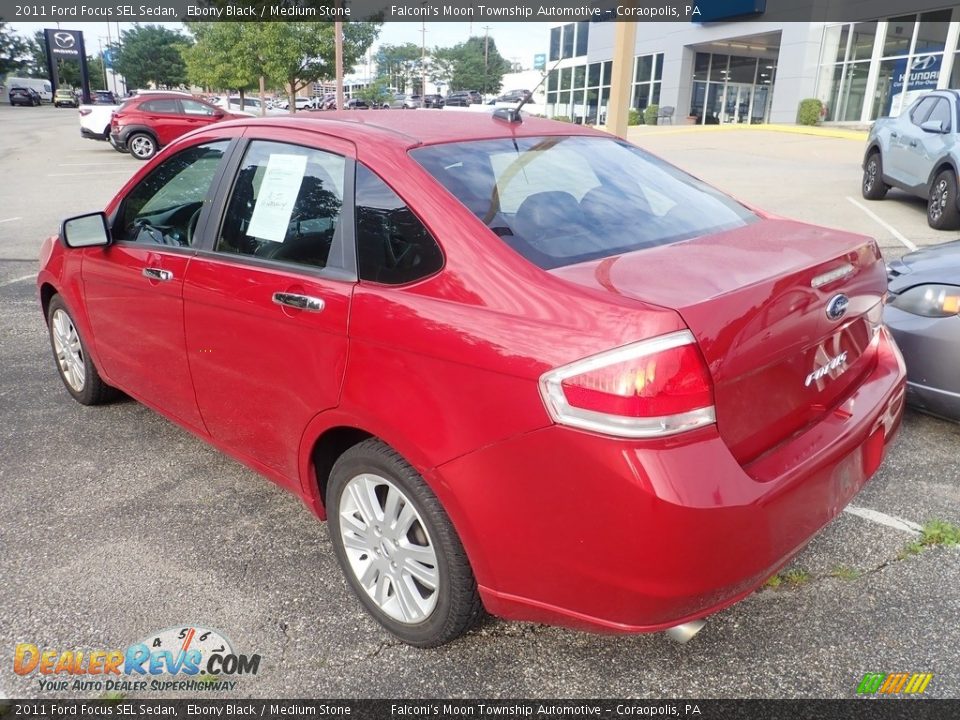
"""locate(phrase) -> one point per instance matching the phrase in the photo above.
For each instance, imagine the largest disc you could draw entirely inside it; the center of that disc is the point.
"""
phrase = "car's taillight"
(652, 388)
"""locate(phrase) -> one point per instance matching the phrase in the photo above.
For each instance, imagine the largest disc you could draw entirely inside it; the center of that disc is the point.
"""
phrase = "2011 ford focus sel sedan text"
(518, 366)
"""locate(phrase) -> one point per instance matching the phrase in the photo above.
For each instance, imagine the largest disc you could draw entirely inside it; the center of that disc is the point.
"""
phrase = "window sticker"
(278, 193)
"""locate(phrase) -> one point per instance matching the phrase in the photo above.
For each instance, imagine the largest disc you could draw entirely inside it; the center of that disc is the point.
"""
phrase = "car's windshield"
(568, 199)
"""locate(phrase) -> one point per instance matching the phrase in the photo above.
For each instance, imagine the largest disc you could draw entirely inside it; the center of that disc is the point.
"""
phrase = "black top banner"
(697, 11)
(859, 709)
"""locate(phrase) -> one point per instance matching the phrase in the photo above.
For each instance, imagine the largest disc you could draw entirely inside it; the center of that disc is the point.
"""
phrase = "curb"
(832, 132)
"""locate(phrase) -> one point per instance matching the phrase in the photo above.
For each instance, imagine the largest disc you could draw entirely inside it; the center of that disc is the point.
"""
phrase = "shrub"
(561, 118)
(650, 114)
(808, 113)
(635, 117)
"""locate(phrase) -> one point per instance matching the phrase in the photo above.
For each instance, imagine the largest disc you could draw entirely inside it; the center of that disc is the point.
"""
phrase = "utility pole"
(486, 55)
(423, 64)
(103, 61)
(338, 53)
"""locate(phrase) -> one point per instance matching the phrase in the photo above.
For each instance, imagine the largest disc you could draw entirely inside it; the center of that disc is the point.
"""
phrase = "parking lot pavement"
(115, 524)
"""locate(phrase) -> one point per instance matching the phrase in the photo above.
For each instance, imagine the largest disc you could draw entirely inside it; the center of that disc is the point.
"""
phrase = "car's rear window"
(568, 199)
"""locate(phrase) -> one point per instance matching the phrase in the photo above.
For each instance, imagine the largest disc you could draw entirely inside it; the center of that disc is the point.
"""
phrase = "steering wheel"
(192, 225)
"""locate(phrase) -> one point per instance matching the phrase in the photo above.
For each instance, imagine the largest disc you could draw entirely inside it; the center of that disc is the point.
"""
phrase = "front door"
(266, 305)
(134, 287)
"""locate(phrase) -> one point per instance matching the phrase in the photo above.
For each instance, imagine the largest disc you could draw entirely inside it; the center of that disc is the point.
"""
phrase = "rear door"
(197, 114)
(266, 303)
(165, 117)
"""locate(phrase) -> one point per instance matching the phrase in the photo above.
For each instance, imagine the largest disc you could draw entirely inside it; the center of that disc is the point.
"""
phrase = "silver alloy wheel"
(938, 200)
(141, 146)
(389, 549)
(870, 176)
(66, 342)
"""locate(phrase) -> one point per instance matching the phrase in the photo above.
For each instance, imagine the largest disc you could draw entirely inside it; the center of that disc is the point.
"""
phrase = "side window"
(166, 106)
(941, 112)
(920, 112)
(393, 246)
(193, 107)
(165, 206)
(285, 205)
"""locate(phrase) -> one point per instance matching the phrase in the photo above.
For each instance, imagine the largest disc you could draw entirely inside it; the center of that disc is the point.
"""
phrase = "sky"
(515, 41)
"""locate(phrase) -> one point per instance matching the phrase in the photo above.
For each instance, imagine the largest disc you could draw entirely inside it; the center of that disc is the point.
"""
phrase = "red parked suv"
(520, 366)
(144, 124)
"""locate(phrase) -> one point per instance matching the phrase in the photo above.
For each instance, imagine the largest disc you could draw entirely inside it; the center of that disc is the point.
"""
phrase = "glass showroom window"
(580, 93)
(911, 49)
(648, 70)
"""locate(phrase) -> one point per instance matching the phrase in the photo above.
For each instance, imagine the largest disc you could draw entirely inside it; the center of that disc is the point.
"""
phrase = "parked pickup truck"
(95, 121)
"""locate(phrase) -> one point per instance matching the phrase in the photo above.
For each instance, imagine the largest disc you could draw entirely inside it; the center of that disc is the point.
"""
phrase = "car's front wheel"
(142, 146)
(397, 547)
(873, 186)
(74, 364)
(942, 212)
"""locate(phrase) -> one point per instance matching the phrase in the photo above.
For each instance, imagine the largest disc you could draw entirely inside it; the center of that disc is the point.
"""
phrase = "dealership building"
(757, 66)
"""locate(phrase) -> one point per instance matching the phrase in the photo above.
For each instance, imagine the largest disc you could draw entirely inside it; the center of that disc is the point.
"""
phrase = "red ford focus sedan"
(518, 366)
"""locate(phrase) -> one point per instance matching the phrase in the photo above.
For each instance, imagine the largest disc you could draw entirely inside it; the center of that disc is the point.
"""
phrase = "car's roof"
(408, 128)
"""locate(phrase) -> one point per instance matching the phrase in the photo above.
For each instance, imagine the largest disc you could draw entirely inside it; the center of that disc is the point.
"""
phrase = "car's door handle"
(913, 143)
(894, 135)
(300, 302)
(157, 274)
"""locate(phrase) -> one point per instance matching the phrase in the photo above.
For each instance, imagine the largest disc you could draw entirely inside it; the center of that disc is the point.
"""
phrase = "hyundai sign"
(921, 76)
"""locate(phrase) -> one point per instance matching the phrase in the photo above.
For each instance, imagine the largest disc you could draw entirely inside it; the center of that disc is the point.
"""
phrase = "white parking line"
(16, 280)
(9, 220)
(892, 230)
(883, 519)
(92, 172)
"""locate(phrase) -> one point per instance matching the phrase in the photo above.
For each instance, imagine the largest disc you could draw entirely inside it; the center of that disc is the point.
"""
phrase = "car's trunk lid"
(756, 299)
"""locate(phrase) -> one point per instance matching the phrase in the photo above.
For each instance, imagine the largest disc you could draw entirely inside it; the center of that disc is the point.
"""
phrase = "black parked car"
(463, 98)
(430, 101)
(356, 104)
(24, 96)
(515, 96)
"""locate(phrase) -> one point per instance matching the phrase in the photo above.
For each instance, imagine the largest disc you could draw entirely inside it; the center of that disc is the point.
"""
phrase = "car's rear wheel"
(397, 547)
(142, 146)
(873, 186)
(942, 212)
(74, 364)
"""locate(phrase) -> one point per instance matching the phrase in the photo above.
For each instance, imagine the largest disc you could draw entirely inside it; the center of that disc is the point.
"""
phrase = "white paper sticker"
(278, 192)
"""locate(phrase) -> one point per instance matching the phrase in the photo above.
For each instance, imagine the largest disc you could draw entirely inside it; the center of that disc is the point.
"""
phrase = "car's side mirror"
(219, 113)
(86, 231)
(932, 126)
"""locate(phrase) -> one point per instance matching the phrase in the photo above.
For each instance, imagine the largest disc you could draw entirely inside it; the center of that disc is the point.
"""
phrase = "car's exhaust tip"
(684, 632)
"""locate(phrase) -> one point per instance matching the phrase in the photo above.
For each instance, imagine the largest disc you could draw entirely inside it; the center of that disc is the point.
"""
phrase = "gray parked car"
(923, 313)
(918, 152)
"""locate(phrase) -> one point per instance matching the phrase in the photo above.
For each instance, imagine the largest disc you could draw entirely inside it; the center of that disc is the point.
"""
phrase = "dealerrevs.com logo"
(894, 683)
(186, 658)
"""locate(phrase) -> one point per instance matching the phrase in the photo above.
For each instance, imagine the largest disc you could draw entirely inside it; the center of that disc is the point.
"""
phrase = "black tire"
(457, 604)
(92, 390)
(873, 187)
(142, 146)
(942, 212)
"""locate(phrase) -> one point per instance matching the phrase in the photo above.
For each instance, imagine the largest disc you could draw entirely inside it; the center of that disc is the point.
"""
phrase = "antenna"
(513, 114)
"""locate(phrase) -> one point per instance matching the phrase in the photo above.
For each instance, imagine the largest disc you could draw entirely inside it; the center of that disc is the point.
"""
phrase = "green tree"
(220, 59)
(400, 64)
(472, 65)
(151, 54)
(376, 93)
(13, 51)
(299, 53)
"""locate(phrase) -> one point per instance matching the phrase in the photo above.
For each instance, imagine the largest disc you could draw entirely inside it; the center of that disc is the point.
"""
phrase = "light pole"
(486, 54)
(423, 63)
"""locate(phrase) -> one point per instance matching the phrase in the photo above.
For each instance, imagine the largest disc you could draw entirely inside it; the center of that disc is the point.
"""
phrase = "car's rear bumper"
(91, 135)
(118, 141)
(577, 529)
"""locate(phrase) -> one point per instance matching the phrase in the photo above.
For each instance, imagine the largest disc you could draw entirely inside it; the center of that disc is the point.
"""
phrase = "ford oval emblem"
(837, 306)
